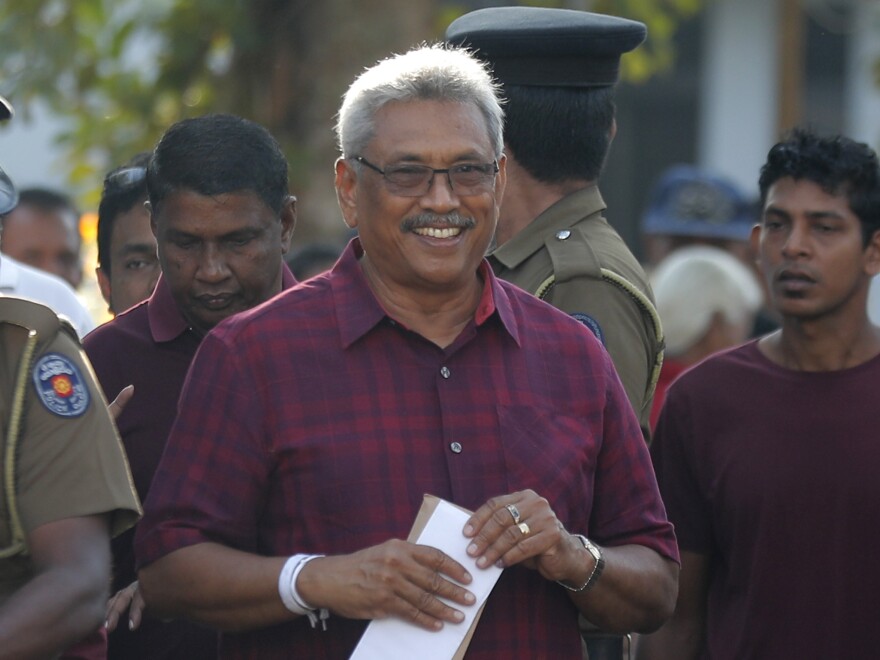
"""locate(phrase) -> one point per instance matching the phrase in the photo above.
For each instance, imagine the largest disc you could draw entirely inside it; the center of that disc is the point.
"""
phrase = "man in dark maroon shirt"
(311, 426)
(223, 217)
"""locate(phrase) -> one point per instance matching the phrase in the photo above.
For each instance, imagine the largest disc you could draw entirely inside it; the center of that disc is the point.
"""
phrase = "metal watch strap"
(598, 566)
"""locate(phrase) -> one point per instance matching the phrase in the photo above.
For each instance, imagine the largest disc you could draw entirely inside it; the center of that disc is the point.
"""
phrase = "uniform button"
(455, 447)
(444, 371)
(563, 234)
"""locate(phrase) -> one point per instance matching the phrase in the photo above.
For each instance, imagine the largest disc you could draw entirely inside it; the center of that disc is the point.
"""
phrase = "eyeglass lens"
(414, 180)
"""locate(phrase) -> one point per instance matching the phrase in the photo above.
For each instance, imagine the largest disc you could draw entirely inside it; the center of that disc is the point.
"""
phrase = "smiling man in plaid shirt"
(311, 427)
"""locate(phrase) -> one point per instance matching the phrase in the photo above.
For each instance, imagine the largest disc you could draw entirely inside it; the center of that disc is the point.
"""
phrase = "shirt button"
(563, 234)
(455, 447)
(444, 371)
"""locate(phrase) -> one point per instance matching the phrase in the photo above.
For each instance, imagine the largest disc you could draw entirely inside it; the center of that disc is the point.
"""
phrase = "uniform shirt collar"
(166, 321)
(8, 273)
(359, 311)
(564, 214)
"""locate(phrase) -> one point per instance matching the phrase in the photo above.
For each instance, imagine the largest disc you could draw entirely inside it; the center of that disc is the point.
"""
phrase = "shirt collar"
(166, 321)
(359, 311)
(8, 273)
(563, 214)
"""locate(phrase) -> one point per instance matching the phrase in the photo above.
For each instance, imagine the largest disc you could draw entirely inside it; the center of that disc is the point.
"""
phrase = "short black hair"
(838, 164)
(559, 134)
(123, 188)
(217, 154)
(48, 201)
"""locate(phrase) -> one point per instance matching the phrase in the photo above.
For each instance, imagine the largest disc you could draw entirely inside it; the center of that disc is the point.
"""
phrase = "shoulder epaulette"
(642, 301)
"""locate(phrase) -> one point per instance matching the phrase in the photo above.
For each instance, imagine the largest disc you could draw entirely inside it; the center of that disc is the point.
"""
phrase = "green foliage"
(122, 71)
(662, 17)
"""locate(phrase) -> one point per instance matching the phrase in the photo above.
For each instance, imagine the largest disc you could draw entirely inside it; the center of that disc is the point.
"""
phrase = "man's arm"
(683, 636)
(234, 590)
(635, 593)
(64, 601)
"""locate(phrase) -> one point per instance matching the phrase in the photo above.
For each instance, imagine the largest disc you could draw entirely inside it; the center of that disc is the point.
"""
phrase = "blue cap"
(689, 201)
(545, 47)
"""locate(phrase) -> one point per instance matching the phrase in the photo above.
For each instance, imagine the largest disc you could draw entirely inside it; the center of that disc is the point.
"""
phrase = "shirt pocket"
(552, 453)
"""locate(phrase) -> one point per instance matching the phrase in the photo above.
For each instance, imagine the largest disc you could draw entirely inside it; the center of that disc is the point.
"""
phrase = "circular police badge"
(60, 385)
(591, 323)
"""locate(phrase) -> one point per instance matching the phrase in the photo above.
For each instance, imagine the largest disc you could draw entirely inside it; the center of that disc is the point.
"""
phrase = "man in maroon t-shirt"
(223, 217)
(766, 455)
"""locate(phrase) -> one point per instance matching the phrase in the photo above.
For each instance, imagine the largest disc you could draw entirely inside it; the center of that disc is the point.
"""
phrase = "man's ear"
(288, 222)
(872, 254)
(755, 241)
(153, 229)
(104, 285)
(346, 191)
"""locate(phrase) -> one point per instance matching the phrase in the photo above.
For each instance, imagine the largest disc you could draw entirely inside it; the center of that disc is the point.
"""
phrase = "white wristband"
(287, 584)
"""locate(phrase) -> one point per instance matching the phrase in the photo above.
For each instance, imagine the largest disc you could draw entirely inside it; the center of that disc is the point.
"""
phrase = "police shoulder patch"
(60, 385)
(591, 323)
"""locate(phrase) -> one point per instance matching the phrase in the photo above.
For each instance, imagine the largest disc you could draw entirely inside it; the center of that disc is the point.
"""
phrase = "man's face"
(220, 255)
(433, 242)
(47, 240)
(134, 265)
(810, 250)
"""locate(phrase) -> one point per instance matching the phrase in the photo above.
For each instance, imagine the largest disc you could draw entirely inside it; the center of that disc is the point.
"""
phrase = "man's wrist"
(291, 597)
(598, 564)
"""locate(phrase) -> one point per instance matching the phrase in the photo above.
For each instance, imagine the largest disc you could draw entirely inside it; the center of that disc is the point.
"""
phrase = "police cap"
(544, 47)
(690, 201)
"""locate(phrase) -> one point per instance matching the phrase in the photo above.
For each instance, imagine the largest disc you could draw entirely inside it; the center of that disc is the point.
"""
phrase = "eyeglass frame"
(434, 172)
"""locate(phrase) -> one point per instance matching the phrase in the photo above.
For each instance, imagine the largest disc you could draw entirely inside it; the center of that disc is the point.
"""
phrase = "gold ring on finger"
(514, 512)
(524, 528)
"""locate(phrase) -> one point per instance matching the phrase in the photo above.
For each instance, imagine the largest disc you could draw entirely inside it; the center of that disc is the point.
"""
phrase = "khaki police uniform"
(60, 454)
(572, 258)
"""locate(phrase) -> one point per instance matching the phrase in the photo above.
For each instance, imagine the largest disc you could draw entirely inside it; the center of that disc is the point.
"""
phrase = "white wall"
(738, 88)
(862, 91)
(27, 150)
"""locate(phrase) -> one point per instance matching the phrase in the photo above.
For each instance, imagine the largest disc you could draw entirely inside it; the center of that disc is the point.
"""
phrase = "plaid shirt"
(315, 423)
(150, 346)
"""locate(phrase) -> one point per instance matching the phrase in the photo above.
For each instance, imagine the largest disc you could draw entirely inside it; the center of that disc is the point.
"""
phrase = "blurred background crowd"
(716, 81)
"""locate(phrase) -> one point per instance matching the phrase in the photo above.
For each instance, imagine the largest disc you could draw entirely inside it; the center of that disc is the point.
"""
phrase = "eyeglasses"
(414, 180)
(125, 177)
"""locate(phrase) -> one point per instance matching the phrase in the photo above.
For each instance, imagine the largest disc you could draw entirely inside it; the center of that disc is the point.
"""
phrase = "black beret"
(546, 47)
(6, 111)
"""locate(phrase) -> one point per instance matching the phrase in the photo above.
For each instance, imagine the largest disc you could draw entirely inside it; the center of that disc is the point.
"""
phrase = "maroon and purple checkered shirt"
(315, 423)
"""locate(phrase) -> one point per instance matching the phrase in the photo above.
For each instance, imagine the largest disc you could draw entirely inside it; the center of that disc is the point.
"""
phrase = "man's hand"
(396, 579)
(521, 528)
(129, 599)
(117, 405)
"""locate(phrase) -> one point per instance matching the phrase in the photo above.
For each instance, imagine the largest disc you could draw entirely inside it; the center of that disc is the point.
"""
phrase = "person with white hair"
(322, 418)
(707, 300)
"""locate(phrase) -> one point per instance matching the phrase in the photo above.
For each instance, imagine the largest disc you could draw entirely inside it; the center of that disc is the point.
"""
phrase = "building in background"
(744, 70)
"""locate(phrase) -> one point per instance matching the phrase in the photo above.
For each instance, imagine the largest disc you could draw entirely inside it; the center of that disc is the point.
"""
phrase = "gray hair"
(695, 282)
(426, 73)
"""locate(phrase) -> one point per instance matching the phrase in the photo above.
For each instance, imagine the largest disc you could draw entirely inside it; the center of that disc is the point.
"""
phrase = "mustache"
(422, 220)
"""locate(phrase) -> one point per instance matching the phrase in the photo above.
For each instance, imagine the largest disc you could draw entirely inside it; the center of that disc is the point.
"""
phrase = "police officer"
(64, 483)
(558, 68)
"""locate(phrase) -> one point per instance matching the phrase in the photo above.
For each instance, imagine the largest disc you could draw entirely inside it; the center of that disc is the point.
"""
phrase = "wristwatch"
(598, 566)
